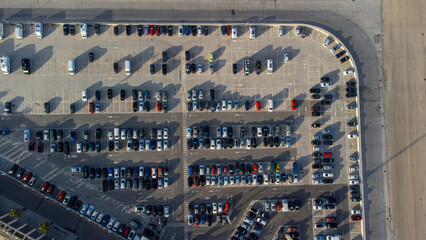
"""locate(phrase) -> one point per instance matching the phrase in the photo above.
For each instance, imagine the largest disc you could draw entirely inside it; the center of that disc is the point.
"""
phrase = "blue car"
(203, 219)
(187, 30)
(111, 173)
(105, 220)
(190, 172)
(4, 132)
(147, 171)
(135, 171)
(153, 144)
(223, 29)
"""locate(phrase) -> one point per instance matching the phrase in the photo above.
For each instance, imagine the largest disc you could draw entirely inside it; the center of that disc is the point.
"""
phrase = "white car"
(328, 175)
(123, 184)
(19, 29)
(265, 179)
(100, 216)
(141, 107)
(166, 211)
(220, 208)
(317, 148)
(218, 144)
(199, 30)
(273, 206)
(84, 208)
(348, 71)
(223, 105)
(202, 170)
(317, 207)
(110, 223)
(229, 104)
(242, 142)
(355, 211)
(234, 32)
(141, 145)
(252, 32)
(189, 132)
(213, 181)
(353, 182)
(208, 180)
(214, 208)
(94, 214)
(286, 57)
(79, 147)
(353, 169)
(353, 176)
(317, 181)
(166, 144)
(200, 94)
(159, 134)
(325, 84)
(190, 217)
(261, 167)
(232, 180)
(180, 31)
(117, 224)
(280, 31)
(259, 132)
(352, 135)
(141, 171)
(123, 134)
(212, 144)
(159, 145)
(261, 221)
(316, 175)
(248, 143)
(297, 31)
(147, 143)
(129, 145)
(84, 95)
(27, 135)
(225, 181)
(116, 172)
(248, 220)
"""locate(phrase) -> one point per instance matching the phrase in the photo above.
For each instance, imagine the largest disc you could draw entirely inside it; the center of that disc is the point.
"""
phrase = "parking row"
(202, 213)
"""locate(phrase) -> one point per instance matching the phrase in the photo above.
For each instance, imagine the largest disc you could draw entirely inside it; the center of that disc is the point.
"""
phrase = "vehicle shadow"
(141, 58)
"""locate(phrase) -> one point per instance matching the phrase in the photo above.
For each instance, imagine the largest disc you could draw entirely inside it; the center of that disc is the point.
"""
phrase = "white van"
(270, 105)
(285, 205)
(71, 67)
(5, 64)
(127, 67)
(270, 66)
(39, 30)
(83, 30)
(84, 95)
(116, 133)
(1, 31)
(234, 32)
(19, 31)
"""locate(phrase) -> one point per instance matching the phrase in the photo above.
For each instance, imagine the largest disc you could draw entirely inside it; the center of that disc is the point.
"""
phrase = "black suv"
(258, 67)
(26, 65)
(164, 69)
(164, 56)
(122, 95)
(115, 67)
(128, 30)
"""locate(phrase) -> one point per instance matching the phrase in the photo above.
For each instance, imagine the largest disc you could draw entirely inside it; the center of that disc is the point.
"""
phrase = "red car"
(315, 109)
(91, 107)
(226, 209)
(44, 187)
(31, 146)
(292, 229)
(254, 168)
(61, 196)
(327, 154)
(40, 147)
(197, 219)
(213, 170)
(27, 177)
(157, 30)
(228, 30)
(151, 30)
(258, 105)
(126, 232)
(356, 218)
(158, 106)
(50, 189)
(196, 181)
(293, 104)
(279, 205)
(330, 219)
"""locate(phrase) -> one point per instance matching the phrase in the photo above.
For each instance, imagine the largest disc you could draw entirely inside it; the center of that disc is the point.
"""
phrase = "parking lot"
(308, 62)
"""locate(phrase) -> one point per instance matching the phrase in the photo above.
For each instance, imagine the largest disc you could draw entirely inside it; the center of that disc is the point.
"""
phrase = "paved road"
(356, 23)
(48, 209)
(404, 42)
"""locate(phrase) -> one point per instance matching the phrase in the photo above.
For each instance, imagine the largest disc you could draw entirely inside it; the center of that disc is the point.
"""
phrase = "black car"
(92, 173)
(72, 30)
(170, 30)
(351, 90)
(328, 96)
(194, 30)
(325, 102)
(351, 84)
(352, 123)
(277, 141)
(328, 160)
(316, 142)
(316, 96)
(193, 68)
(47, 108)
(91, 57)
(296, 204)
(104, 185)
(152, 68)
(258, 67)
(13, 170)
(72, 108)
(316, 166)
(77, 205)
(351, 95)
(140, 30)
(164, 69)
(147, 106)
(134, 95)
(164, 56)
(163, 29)
(188, 68)
(8, 107)
(26, 65)
(205, 30)
(328, 136)
(97, 29)
(328, 142)
(331, 225)
(340, 54)
(316, 154)
(66, 29)
(253, 143)
(316, 125)
(265, 131)
(187, 55)
(72, 201)
(98, 95)
(109, 93)
(122, 95)
(346, 58)
(234, 68)
(314, 90)
(110, 146)
(316, 114)
(327, 180)
(115, 66)
(116, 31)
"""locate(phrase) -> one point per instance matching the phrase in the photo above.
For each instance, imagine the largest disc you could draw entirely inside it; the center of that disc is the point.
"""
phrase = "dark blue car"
(187, 30)
(153, 144)
(223, 29)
